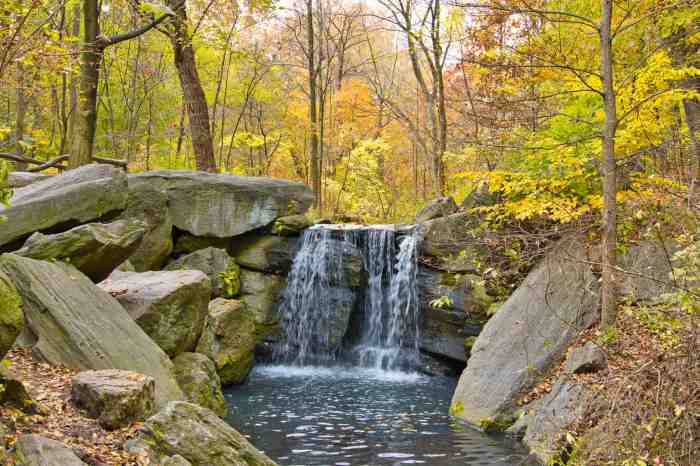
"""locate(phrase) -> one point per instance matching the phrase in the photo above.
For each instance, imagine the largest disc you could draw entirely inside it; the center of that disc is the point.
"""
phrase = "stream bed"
(356, 416)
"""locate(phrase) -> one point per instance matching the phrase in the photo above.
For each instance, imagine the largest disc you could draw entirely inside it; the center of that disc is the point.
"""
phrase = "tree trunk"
(20, 113)
(692, 119)
(313, 118)
(195, 99)
(609, 172)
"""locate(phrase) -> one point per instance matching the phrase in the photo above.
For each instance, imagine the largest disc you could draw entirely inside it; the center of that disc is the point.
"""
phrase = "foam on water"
(342, 373)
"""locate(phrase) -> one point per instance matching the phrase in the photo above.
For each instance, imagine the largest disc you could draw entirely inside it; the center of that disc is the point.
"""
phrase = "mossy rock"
(14, 393)
(11, 317)
(197, 377)
(291, 225)
(187, 243)
(222, 270)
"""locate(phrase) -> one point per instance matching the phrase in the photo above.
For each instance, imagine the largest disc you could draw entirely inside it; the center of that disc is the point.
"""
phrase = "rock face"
(265, 253)
(95, 249)
(224, 206)
(78, 325)
(222, 270)
(291, 225)
(589, 358)
(11, 316)
(651, 259)
(14, 393)
(229, 338)
(197, 377)
(169, 306)
(114, 397)
(451, 243)
(35, 450)
(187, 243)
(77, 196)
(261, 293)
(200, 437)
(440, 207)
(528, 334)
(149, 206)
(22, 179)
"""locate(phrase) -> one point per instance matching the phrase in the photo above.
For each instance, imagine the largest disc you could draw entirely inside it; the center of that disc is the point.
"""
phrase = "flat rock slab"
(116, 398)
(22, 179)
(77, 196)
(170, 306)
(222, 270)
(223, 206)
(200, 437)
(96, 249)
(265, 253)
(291, 225)
(35, 450)
(78, 325)
(527, 335)
(197, 376)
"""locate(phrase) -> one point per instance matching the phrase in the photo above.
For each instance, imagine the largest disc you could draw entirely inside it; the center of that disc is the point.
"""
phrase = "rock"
(197, 377)
(438, 366)
(265, 253)
(187, 243)
(454, 243)
(148, 205)
(78, 325)
(170, 306)
(261, 293)
(77, 196)
(35, 450)
(229, 339)
(11, 317)
(116, 398)
(440, 207)
(5, 435)
(221, 269)
(223, 206)
(14, 393)
(199, 436)
(291, 225)
(527, 335)
(480, 197)
(651, 259)
(21, 179)
(176, 460)
(95, 249)
(588, 358)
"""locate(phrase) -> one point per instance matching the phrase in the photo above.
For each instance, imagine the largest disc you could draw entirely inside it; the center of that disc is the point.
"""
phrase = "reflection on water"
(336, 416)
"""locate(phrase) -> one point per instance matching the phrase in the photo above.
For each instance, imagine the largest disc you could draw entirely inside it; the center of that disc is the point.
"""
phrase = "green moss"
(456, 408)
(188, 243)
(469, 343)
(11, 317)
(231, 280)
(495, 424)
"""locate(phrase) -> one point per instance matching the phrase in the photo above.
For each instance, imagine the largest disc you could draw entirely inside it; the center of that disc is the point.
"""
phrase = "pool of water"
(352, 417)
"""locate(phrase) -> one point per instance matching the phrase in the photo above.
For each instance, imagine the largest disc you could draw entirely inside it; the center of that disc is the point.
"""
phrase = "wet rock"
(291, 225)
(440, 207)
(11, 317)
(21, 179)
(170, 306)
(35, 450)
(197, 377)
(588, 358)
(261, 293)
(265, 253)
(221, 269)
(116, 398)
(95, 249)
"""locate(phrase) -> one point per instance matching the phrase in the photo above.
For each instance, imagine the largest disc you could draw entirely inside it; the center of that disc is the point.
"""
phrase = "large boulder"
(527, 335)
(650, 266)
(199, 436)
(198, 379)
(291, 225)
(440, 207)
(116, 398)
(14, 393)
(11, 316)
(170, 306)
(148, 205)
(229, 339)
(95, 249)
(262, 293)
(588, 358)
(78, 325)
(221, 269)
(453, 243)
(223, 206)
(265, 253)
(35, 450)
(77, 196)
(21, 179)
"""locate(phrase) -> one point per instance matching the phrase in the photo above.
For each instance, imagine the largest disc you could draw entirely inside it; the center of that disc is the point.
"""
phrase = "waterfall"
(347, 276)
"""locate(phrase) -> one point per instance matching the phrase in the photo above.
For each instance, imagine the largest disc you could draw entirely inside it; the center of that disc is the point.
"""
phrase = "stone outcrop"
(265, 253)
(452, 244)
(651, 267)
(261, 293)
(199, 436)
(95, 249)
(21, 179)
(223, 206)
(77, 196)
(527, 335)
(169, 306)
(229, 339)
(35, 450)
(197, 377)
(78, 325)
(440, 207)
(222, 270)
(588, 358)
(291, 225)
(11, 316)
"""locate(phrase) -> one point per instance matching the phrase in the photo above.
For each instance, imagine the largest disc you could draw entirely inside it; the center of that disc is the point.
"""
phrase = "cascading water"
(332, 265)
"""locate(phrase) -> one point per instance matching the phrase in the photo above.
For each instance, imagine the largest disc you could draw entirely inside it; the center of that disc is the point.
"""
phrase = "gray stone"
(21, 179)
(221, 269)
(95, 249)
(199, 436)
(170, 306)
(261, 293)
(11, 317)
(480, 197)
(454, 243)
(652, 260)
(265, 253)
(187, 243)
(440, 207)
(527, 335)
(223, 206)
(588, 358)
(35, 450)
(197, 377)
(229, 338)
(14, 393)
(148, 205)
(116, 398)
(77, 196)
(291, 225)
(78, 325)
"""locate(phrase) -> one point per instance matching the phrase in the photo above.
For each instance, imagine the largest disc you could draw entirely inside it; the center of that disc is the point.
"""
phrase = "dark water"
(352, 417)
